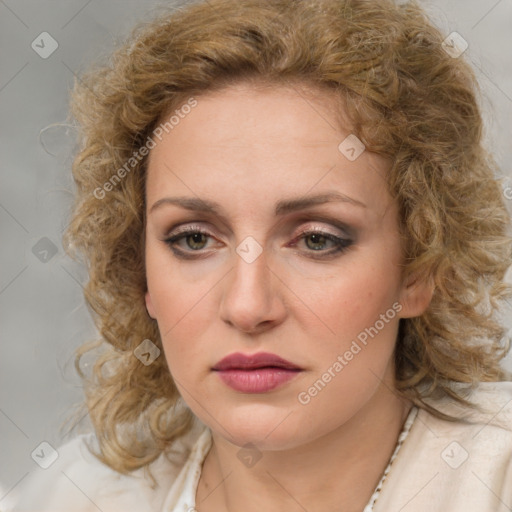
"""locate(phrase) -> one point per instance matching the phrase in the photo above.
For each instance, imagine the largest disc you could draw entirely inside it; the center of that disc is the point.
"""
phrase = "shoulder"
(480, 434)
(491, 411)
(78, 481)
(462, 465)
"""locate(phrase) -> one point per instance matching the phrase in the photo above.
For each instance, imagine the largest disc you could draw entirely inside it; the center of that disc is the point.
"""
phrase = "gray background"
(43, 316)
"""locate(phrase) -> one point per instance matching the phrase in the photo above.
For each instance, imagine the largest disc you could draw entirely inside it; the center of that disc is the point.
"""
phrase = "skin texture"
(247, 147)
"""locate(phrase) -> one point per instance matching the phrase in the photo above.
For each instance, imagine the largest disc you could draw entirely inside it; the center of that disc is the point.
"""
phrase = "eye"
(318, 240)
(192, 240)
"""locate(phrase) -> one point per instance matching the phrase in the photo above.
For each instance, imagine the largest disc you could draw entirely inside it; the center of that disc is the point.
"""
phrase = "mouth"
(257, 361)
(255, 373)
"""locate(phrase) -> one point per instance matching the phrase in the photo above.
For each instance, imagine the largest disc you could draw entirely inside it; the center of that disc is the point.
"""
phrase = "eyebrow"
(282, 207)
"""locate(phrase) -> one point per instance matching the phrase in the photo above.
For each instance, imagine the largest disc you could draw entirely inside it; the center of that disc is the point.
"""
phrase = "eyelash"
(341, 244)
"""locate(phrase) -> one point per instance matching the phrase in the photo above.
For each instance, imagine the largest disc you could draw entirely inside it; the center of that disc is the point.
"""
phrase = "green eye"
(317, 241)
(324, 244)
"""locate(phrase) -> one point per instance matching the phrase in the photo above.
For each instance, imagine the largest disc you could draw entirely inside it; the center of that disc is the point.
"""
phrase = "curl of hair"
(407, 99)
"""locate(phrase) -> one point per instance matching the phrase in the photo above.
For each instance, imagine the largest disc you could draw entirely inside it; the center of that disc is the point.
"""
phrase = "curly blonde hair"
(407, 99)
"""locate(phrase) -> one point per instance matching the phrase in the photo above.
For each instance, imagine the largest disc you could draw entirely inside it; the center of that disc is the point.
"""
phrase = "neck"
(338, 471)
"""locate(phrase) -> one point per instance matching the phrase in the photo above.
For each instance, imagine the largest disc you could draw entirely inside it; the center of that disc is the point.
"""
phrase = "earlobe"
(149, 306)
(416, 296)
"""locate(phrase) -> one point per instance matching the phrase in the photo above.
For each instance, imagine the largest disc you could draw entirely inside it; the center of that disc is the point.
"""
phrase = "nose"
(251, 300)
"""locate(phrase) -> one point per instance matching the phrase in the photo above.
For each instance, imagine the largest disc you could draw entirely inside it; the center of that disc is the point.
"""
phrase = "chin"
(263, 426)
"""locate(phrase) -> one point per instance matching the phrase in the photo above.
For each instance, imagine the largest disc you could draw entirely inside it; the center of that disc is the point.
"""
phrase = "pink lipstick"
(255, 373)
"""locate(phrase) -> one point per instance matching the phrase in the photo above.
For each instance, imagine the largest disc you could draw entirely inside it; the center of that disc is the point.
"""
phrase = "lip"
(238, 361)
(255, 373)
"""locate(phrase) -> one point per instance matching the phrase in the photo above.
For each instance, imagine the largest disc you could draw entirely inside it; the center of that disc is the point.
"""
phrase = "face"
(273, 265)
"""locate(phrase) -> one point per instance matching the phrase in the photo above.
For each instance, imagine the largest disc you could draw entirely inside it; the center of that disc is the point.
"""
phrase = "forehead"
(264, 142)
(256, 115)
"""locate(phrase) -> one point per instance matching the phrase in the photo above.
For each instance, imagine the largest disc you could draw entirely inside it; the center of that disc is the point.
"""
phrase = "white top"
(441, 467)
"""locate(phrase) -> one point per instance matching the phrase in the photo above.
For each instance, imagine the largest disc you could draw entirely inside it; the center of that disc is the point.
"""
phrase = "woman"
(297, 251)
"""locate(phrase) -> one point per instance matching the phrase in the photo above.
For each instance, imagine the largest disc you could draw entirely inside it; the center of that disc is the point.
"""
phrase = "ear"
(149, 306)
(416, 295)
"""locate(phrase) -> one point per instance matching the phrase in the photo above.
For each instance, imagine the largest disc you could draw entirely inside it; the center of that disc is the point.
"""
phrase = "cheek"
(175, 287)
(352, 300)
(351, 364)
(180, 306)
